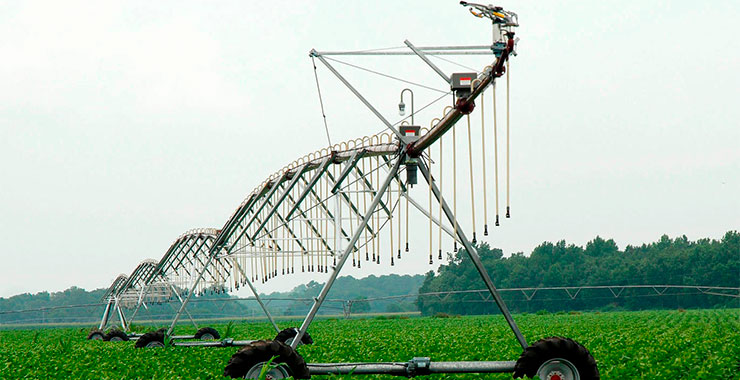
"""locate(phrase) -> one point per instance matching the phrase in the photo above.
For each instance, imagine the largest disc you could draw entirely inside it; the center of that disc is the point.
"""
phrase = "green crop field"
(695, 344)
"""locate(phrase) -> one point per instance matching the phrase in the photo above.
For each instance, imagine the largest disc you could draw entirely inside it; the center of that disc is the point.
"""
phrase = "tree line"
(677, 261)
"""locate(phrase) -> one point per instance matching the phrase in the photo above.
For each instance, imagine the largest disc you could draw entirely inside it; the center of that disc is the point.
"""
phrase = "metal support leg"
(106, 314)
(121, 316)
(346, 253)
(181, 302)
(211, 255)
(256, 295)
(474, 257)
(142, 294)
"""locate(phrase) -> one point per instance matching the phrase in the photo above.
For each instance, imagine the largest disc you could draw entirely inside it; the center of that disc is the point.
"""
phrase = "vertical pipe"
(454, 182)
(495, 152)
(470, 165)
(483, 153)
(508, 162)
(441, 181)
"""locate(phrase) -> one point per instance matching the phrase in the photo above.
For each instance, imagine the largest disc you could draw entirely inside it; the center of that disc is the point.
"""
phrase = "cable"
(454, 63)
(385, 75)
(321, 100)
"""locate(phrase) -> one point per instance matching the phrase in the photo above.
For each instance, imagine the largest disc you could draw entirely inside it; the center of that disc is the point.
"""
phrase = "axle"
(412, 368)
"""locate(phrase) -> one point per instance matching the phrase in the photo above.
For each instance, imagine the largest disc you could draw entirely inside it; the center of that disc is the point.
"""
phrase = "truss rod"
(296, 177)
(473, 254)
(256, 296)
(357, 93)
(427, 61)
(345, 255)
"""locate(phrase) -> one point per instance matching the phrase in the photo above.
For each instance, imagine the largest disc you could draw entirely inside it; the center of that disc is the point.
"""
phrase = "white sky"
(124, 124)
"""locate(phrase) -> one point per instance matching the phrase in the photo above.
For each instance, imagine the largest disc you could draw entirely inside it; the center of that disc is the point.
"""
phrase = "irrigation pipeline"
(572, 291)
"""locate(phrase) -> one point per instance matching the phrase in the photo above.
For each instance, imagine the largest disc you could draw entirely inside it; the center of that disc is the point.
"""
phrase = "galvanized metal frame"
(240, 224)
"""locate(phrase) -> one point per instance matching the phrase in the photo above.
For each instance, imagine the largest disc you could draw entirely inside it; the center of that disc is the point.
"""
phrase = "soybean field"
(676, 344)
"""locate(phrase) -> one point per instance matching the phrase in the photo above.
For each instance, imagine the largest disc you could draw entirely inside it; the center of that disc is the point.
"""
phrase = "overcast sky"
(123, 125)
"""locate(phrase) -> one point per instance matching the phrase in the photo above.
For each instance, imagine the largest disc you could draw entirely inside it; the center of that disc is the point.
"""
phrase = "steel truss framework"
(340, 203)
(326, 208)
(170, 277)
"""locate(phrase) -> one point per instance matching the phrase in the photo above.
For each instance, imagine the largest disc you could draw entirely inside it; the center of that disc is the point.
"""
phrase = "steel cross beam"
(368, 186)
(233, 222)
(284, 222)
(319, 172)
(473, 254)
(356, 157)
(180, 254)
(255, 213)
(168, 261)
(281, 198)
(323, 207)
(432, 50)
(307, 220)
(351, 205)
(187, 250)
(345, 255)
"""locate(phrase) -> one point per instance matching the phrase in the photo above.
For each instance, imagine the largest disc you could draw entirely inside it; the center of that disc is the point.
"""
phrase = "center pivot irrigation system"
(351, 202)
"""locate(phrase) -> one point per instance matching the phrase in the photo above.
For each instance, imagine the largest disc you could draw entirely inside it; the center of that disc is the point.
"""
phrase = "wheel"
(207, 333)
(151, 339)
(286, 336)
(96, 334)
(115, 335)
(248, 361)
(557, 358)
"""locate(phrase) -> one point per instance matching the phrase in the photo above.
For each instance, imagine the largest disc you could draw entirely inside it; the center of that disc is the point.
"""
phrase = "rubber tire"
(97, 332)
(556, 347)
(116, 333)
(207, 330)
(263, 350)
(291, 332)
(149, 337)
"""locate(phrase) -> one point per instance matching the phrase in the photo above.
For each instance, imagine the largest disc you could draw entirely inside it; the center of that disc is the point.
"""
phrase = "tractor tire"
(151, 339)
(207, 333)
(557, 358)
(96, 334)
(286, 336)
(116, 335)
(249, 360)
